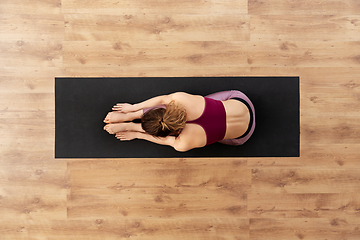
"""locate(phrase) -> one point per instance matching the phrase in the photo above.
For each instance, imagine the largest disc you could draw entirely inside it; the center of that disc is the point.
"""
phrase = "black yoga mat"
(81, 104)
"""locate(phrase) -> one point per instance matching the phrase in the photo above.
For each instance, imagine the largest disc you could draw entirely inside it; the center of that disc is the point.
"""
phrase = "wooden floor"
(313, 197)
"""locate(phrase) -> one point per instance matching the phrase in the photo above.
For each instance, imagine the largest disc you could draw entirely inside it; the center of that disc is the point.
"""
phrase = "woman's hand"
(126, 136)
(123, 107)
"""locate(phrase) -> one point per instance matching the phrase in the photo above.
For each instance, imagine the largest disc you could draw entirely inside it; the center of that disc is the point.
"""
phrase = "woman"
(185, 121)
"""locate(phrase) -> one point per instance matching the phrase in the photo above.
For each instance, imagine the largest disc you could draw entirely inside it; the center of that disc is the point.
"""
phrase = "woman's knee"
(222, 96)
(228, 142)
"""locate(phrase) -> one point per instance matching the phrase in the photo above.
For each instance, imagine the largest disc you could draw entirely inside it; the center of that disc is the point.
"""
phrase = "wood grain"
(280, 180)
(112, 7)
(213, 228)
(89, 27)
(306, 7)
(38, 105)
(31, 27)
(26, 7)
(153, 54)
(316, 156)
(31, 54)
(304, 228)
(309, 205)
(30, 207)
(305, 28)
(314, 196)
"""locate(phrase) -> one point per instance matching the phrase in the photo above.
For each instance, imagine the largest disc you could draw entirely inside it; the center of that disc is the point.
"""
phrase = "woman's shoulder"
(183, 96)
(191, 137)
(187, 99)
(193, 104)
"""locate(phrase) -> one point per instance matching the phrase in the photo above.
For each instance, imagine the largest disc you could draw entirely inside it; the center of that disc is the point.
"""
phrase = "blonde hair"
(162, 122)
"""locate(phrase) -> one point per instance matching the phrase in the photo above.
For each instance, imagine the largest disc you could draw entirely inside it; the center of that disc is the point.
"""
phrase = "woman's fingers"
(117, 107)
(122, 107)
(121, 136)
(125, 136)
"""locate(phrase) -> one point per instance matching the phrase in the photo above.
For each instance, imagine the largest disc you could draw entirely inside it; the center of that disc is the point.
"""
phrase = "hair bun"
(164, 126)
(161, 122)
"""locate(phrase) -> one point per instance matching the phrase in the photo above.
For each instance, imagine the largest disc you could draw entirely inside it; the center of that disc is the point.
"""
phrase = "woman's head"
(161, 122)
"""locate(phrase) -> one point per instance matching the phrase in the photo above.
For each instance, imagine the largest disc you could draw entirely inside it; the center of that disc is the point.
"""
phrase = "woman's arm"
(176, 143)
(152, 102)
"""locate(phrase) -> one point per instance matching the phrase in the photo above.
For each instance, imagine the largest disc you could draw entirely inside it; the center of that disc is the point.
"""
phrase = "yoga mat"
(81, 104)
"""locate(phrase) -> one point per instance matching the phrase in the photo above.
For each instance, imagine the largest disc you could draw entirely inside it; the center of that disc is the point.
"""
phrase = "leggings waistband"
(251, 116)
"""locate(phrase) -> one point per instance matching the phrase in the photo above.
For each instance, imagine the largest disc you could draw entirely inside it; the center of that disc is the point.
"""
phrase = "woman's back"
(237, 117)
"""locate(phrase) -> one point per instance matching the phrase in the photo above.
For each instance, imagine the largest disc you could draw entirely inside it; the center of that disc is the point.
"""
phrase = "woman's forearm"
(169, 140)
(152, 102)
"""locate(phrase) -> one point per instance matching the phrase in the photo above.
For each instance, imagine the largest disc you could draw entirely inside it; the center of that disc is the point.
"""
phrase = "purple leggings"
(226, 95)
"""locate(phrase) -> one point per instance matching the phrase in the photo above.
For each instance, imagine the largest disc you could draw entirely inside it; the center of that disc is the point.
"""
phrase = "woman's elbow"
(182, 147)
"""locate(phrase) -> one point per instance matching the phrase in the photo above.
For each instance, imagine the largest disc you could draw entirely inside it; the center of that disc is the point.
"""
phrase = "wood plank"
(153, 54)
(33, 207)
(305, 7)
(28, 79)
(157, 71)
(155, 27)
(303, 53)
(112, 7)
(316, 80)
(31, 27)
(304, 228)
(198, 228)
(138, 202)
(331, 130)
(31, 84)
(287, 180)
(313, 205)
(159, 163)
(21, 53)
(32, 73)
(33, 158)
(336, 105)
(27, 106)
(37, 182)
(43, 129)
(30, 7)
(305, 28)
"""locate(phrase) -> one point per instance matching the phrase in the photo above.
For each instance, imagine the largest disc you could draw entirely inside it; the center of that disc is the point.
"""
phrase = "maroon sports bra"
(212, 120)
